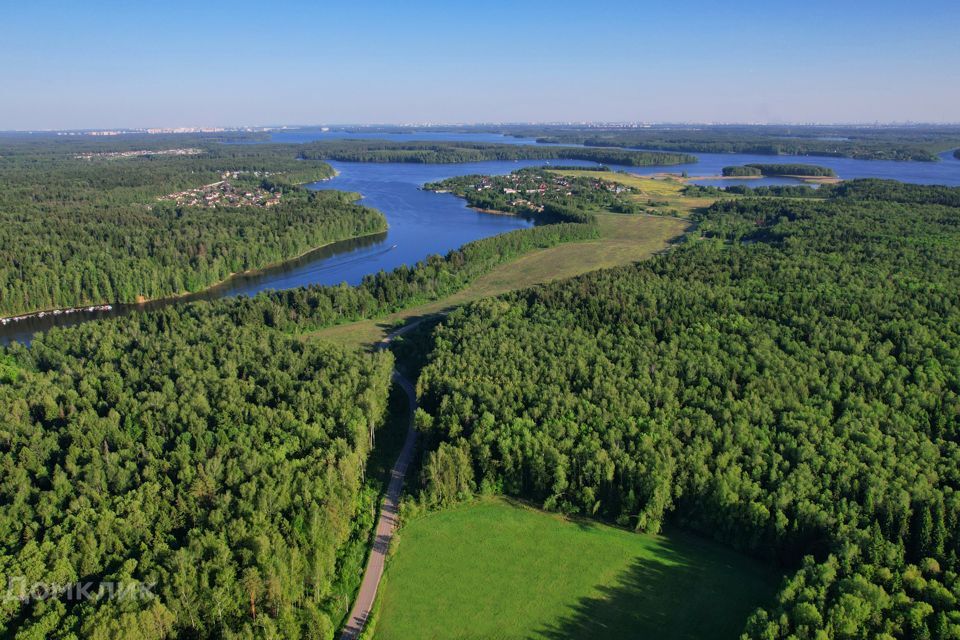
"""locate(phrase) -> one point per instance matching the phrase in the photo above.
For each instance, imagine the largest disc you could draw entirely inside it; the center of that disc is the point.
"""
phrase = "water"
(422, 223)
(299, 137)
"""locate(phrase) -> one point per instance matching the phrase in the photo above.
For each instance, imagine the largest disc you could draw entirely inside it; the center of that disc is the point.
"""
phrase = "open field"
(493, 569)
(624, 239)
(663, 188)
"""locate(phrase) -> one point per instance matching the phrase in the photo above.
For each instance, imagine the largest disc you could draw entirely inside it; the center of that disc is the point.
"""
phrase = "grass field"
(666, 190)
(623, 239)
(492, 569)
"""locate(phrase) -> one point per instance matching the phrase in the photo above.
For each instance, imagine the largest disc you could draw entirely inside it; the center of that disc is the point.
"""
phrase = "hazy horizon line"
(427, 125)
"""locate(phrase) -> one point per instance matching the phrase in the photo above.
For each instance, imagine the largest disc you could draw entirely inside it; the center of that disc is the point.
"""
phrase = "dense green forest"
(921, 143)
(863, 189)
(458, 152)
(76, 231)
(221, 465)
(787, 381)
(537, 191)
(793, 169)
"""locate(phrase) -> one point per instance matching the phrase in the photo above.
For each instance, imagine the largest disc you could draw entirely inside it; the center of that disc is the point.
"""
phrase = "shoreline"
(804, 179)
(493, 212)
(173, 297)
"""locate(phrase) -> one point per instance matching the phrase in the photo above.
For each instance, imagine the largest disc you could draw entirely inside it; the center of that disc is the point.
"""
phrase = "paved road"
(387, 522)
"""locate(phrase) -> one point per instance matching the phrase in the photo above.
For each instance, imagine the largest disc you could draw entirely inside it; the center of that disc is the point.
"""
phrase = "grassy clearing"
(623, 239)
(666, 190)
(493, 569)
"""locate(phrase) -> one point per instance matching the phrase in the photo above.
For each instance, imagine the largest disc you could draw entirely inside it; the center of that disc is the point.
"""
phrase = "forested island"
(79, 229)
(757, 170)
(785, 383)
(459, 152)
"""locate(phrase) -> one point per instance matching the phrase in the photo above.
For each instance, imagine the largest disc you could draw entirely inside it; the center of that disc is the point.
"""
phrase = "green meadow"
(493, 569)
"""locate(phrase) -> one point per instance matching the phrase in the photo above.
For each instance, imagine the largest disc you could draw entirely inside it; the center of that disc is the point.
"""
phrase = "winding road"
(387, 522)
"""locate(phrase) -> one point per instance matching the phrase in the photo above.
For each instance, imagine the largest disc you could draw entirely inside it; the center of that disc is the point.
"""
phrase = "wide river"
(423, 223)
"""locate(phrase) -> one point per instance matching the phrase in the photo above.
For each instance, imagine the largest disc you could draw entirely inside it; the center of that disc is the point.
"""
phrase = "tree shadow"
(676, 596)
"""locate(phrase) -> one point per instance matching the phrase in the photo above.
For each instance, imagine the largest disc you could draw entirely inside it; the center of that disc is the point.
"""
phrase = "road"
(387, 522)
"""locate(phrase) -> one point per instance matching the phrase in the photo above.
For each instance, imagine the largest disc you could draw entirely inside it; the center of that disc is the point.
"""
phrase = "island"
(458, 152)
(781, 170)
(540, 192)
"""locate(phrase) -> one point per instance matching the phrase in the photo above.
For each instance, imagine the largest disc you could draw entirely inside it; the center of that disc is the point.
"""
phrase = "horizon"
(187, 128)
(114, 66)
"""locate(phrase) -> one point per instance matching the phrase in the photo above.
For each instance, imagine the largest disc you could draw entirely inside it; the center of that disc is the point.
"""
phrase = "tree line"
(788, 383)
(791, 169)
(917, 143)
(862, 189)
(460, 152)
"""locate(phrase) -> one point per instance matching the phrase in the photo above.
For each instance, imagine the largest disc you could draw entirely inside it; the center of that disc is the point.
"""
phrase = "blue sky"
(129, 64)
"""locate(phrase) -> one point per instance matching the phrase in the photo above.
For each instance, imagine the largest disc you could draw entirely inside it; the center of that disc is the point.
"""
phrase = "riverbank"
(494, 212)
(143, 301)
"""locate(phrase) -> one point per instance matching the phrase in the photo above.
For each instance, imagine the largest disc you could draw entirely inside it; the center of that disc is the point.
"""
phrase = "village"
(138, 153)
(529, 190)
(225, 193)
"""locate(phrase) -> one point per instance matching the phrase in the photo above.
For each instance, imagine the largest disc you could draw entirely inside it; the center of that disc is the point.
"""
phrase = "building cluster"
(138, 153)
(225, 194)
(532, 184)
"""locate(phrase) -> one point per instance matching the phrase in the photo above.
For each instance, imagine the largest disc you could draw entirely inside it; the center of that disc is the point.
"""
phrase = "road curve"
(387, 522)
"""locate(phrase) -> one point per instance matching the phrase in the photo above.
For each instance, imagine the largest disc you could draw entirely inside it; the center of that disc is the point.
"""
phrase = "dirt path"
(387, 522)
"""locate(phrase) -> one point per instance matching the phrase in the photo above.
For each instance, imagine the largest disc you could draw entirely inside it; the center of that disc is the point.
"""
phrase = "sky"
(76, 65)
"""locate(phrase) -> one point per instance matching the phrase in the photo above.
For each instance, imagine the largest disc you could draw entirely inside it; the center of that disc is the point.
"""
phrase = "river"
(423, 223)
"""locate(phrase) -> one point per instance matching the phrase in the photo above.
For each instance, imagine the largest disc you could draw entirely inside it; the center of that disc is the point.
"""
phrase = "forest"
(787, 381)
(862, 189)
(742, 170)
(76, 232)
(221, 463)
(792, 169)
(459, 152)
(920, 143)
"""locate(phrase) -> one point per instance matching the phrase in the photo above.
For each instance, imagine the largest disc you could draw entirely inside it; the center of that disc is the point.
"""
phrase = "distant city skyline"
(428, 125)
(113, 65)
